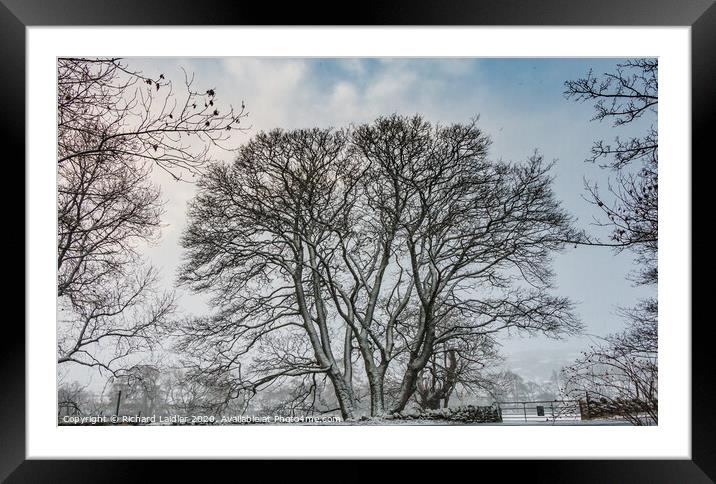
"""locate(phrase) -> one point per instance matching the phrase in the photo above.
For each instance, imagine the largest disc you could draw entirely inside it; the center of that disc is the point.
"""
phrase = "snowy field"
(508, 423)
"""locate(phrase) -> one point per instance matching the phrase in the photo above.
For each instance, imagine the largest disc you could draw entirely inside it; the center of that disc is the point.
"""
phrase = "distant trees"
(624, 366)
(513, 387)
(378, 248)
(141, 392)
(187, 396)
(73, 399)
(114, 125)
(470, 366)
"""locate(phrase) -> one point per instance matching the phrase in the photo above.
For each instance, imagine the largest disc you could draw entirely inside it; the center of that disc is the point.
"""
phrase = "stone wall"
(465, 414)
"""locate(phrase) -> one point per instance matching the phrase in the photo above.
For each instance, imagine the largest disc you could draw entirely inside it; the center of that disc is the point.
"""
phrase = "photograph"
(357, 241)
(413, 232)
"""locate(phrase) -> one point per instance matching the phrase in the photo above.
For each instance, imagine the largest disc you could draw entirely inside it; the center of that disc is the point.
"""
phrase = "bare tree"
(114, 126)
(620, 372)
(141, 390)
(251, 240)
(113, 321)
(106, 207)
(329, 252)
(107, 302)
(470, 365)
(624, 366)
(73, 399)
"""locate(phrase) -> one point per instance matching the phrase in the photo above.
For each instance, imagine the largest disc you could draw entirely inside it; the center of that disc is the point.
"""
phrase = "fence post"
(588, 409)
(119, 397)
(524, 410)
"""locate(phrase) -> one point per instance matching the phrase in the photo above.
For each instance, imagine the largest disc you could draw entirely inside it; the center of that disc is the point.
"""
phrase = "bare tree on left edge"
(107, 109)
(114, 126)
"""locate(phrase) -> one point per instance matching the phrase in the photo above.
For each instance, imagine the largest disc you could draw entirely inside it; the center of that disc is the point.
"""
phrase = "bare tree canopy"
(631, 207)
(357, 254)
(105, 108)
(114, 126)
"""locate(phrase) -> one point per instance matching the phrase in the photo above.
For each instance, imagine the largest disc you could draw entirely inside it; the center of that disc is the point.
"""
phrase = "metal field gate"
(540, 411)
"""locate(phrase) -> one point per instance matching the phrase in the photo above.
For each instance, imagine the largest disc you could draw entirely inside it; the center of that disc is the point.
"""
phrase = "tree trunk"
(407, 389)
(377, 399)
(344, 395)
(410, 377)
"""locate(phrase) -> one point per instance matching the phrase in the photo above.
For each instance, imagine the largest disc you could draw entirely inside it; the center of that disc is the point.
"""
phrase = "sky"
(521, 106)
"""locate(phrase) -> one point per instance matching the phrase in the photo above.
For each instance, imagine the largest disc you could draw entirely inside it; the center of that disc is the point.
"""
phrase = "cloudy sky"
(520, 104)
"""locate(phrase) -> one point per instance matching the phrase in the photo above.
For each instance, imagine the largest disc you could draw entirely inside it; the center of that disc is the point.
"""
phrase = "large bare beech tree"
(114, 126)
(352, 254)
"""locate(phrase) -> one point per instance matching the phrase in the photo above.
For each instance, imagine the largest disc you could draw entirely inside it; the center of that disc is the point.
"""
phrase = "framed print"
(421, 233)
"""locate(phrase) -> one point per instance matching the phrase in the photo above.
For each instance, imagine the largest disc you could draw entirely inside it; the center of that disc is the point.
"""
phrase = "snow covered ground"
(509, 423)
(418, 422)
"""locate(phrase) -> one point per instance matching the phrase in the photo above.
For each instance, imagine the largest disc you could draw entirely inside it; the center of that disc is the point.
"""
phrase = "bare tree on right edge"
(630, 211)
(631, 208)
(620, 372)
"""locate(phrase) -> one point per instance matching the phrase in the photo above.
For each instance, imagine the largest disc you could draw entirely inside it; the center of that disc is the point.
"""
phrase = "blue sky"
(520, 103)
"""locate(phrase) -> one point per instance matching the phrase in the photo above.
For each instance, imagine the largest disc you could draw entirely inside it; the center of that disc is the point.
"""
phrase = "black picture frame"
(700, 15)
